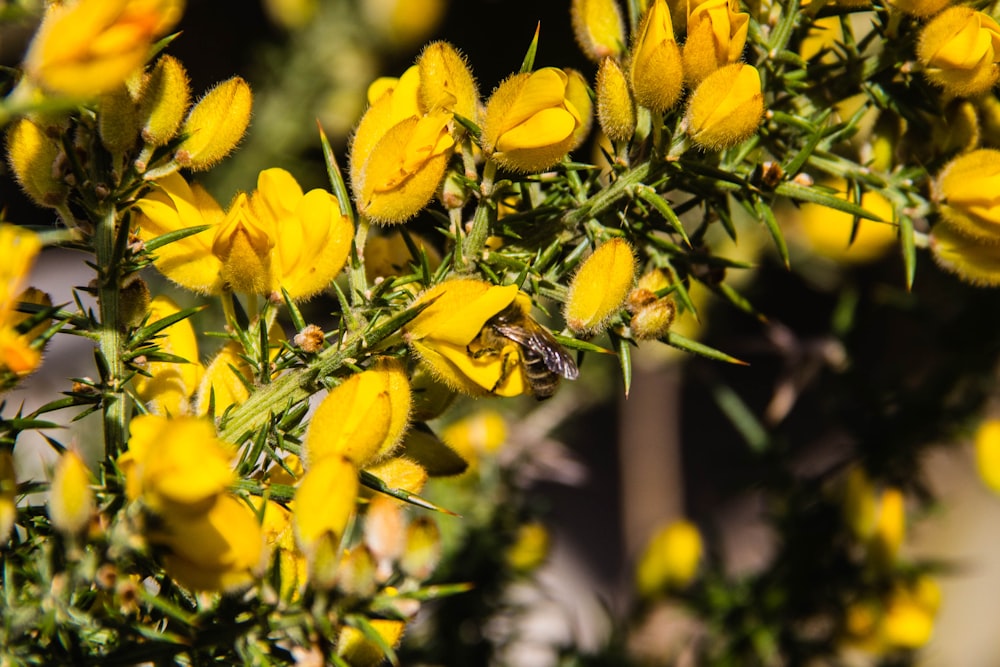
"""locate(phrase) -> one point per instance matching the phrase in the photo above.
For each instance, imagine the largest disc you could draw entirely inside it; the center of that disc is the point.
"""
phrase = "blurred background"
(613, 469)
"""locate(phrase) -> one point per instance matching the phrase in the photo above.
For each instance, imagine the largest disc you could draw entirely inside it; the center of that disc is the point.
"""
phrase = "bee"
(543, 359)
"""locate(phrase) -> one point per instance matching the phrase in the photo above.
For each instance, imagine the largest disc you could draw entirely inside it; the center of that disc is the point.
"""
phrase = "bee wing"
(541, 342)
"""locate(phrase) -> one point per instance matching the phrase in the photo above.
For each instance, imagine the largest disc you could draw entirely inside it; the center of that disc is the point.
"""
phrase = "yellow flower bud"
(357, 572)
(615, 107)
(8, 495)
(363, 418)
(359, 651)
(968, 197)
(423, 548)
(32, 157)
(970, 259)
(446, 81)
(920, 8)
(324, 502)
(959, 49)
(219, 549)
(655, 67)
(726, 107)
(89, 47)
(530, 122)
(71, 500)
(215, 125)
(175, 205)
(987, 445)
(400, 472)
(716, 34)
(169, 385)
(599, 28)
(243, 243)
(118, 120)
(163, 101)
(176, 465)
(599, 288)
(442, 333)
(670, 560)
(653, 320)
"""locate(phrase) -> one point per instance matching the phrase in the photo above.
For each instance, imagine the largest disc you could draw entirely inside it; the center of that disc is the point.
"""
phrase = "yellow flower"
(600, 286)
(88, 47)
(987, 444)
(531, 122)
(359, 651)
(890, 528)
(716, 34)
(970, 259)
(176, 465)
(827, 231)
(398, 155)
(363, 418)
(403, 23)
(968, 196)
(655, 66)
(215, 125)
(446, 337)
(175, 205)
(446, 81)
(670, 560)
(18, 247)
(219, 549)
(959, 49)
(169, 385)
(615, 107)
(903, 620)
(599, 28)
(71, 500)
(726, 107)
(8, 495)
(324, 503)
(32, 156)
(530, 547)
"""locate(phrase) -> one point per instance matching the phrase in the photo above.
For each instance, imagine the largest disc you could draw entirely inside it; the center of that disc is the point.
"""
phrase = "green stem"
(472, 248)
(609, 196)
(111, 339)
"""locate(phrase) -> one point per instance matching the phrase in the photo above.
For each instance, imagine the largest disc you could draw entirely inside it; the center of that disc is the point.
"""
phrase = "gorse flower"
(445, 335)
(960, 51)
(716, 34)
(88, 47)
(19, 248)
(973, 260)
(599, 28)
(655, 68)
(726, 108)
(168, 386)
(598, 290)
(71, 500)
(276, 238)
(531, 122)
(967, 194)
(670, 560)
(615, 106)
(32, 157)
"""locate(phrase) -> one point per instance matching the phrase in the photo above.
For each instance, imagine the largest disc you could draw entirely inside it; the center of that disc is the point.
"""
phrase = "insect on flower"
(543, 360)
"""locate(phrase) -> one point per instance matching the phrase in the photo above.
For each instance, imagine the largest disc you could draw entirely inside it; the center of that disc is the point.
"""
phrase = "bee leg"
(505, 367)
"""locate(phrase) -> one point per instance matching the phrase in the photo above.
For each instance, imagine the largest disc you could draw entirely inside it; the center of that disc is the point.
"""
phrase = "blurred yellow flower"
(71, 500)
(88, 47)
(967, 192)
(971, 259)
(716, 34)
(477, 435)
(987, 445)
(670, 560)
(599, 28)
(960, 51)
(8, 495)
(599, 288)
(530, 122)
(445, 336)
(827, 231)
(359, 651)
(176, 465)
(18, 247)
(324, 503)
(530, 547)
(655, 67)
(169, 385)
(904, 619)
(726, 108)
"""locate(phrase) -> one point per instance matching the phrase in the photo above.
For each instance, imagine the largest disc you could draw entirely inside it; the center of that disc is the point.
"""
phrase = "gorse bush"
(294, 498)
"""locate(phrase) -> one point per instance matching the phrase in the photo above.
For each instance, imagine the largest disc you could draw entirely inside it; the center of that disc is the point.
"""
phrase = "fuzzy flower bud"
(71, 501)
(967, 192)
(615, 107)
(363, 418)
(446, 81)
(670, 560)
(215, 125)
(32, 157)
(118, 119)
(651, 315)
(599, 28)
(599, 288)
(716, 34)
(530, 122)
(920, 8)
(726, 107)
(960, 51)
(163, 101)
(972, 260)
(655, 67)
